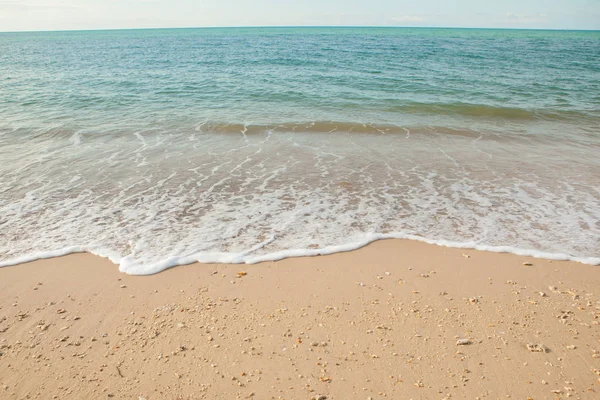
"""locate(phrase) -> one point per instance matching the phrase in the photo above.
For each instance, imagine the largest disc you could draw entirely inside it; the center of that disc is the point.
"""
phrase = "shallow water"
(161, 147)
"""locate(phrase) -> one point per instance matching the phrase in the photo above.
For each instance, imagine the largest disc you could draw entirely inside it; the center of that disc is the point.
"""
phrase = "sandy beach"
(394, 320)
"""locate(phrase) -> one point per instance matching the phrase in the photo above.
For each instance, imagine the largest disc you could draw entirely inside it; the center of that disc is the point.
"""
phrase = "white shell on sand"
(537, 348)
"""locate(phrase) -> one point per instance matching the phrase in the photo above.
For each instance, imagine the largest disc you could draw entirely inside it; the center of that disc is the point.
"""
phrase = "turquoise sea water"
(162, 147)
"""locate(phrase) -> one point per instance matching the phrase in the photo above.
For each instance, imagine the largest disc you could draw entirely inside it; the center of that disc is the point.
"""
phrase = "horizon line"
(300, 26)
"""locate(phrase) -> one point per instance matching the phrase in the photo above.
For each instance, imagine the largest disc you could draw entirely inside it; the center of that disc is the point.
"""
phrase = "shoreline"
(381, 322)
(244, 257)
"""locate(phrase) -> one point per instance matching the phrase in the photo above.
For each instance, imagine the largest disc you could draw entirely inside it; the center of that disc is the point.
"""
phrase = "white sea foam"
(130, 266)
(150, 201)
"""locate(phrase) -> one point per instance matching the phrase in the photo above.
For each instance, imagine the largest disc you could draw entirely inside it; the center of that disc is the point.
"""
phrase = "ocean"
(157, 148)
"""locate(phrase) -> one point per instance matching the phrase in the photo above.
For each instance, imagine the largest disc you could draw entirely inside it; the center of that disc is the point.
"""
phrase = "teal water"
(161, 147)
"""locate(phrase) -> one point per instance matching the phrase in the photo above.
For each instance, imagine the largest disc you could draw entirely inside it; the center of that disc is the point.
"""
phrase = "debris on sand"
(537, 348)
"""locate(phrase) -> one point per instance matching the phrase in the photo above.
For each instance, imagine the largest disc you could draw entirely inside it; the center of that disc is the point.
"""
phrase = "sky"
(28, 15)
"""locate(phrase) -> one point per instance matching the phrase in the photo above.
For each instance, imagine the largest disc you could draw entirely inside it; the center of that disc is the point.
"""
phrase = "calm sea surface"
(162, 147)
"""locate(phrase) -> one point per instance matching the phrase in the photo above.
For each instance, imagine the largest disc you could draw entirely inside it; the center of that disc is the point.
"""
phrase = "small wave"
(128, 266)
(330, 127)
(487, 111)
(75, 136)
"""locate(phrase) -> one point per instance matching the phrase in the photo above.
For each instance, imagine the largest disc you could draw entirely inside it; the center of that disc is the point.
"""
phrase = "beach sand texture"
(394, 320)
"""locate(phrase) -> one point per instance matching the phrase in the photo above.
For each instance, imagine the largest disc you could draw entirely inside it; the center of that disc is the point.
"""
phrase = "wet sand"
(394, 320)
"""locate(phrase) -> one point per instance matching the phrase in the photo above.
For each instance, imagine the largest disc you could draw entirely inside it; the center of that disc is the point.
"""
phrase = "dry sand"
(382, 322)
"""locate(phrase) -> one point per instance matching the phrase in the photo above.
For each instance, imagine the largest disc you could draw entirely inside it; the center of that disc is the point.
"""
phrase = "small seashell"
(242, 273)
(463, 342)
(61, 311)
(537, 348)
(527, 264)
